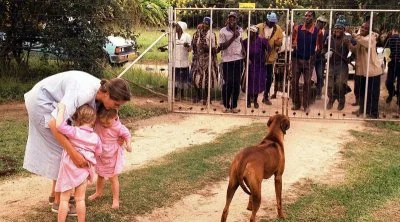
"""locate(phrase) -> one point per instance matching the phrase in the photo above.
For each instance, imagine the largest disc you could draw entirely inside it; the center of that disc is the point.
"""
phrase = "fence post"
(170, 59)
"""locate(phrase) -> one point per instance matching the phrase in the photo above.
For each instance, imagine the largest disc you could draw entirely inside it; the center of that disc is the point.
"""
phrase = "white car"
(120, 50)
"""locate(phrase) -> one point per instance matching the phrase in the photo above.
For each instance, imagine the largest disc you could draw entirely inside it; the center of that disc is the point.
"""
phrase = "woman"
(182, 40)
(257, 68)
(201, 44)
(73, 89)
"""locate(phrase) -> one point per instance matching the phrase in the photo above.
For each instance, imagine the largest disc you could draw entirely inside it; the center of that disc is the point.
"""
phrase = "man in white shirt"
(230, 44)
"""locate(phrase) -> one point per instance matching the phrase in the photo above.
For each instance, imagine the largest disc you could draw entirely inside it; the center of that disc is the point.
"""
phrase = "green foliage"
(12, 89)
(12, 145)
(129, 111)
(73, 31)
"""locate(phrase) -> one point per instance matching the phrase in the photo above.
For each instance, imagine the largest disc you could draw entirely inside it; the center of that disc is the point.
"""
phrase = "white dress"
(72, 88)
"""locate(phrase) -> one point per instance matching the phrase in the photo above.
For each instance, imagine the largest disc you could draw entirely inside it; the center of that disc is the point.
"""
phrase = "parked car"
(119, 50)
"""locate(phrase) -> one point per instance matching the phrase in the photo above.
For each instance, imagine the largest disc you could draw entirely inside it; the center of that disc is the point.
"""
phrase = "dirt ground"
(312, 149)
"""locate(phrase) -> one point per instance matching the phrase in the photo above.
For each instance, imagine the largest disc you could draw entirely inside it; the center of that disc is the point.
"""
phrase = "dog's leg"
(232, 187)
(250, 204)
(255, 188)
(278, 193)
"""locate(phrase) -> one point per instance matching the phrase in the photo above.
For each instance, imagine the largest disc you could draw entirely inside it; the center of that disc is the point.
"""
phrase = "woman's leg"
(80, 201)
(115, 191)
(99, 189)
(63, 208)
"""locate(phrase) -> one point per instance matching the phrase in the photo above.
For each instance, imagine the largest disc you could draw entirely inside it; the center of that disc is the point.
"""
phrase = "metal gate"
(319, 93)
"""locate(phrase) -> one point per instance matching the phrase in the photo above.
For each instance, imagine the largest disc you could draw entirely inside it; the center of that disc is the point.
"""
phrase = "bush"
(11, 89)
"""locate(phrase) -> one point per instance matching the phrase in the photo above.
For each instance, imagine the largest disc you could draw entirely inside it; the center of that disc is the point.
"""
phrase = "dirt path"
(311, 149)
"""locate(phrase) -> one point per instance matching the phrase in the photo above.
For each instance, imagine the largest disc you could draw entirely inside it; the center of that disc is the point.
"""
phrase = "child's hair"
(85, 114)
(103, 113)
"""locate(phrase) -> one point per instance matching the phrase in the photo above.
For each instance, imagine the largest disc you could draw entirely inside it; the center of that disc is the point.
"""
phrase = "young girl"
(88, 144)
(110, 162)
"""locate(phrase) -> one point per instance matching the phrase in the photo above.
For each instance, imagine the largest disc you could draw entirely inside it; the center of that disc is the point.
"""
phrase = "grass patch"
(164, 182)
(372, 179)
(12, 146)
(130, 111)
(154, 81)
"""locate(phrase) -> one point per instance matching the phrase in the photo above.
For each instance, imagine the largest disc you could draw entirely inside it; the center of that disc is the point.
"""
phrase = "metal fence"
(339, 78)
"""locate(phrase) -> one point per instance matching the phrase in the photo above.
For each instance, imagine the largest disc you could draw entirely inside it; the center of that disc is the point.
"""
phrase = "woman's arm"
(76, 157)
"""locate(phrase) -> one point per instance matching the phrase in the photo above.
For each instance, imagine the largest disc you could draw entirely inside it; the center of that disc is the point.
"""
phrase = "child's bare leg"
(80, 201)
(99, 188)
(115, 191)
(63, 208)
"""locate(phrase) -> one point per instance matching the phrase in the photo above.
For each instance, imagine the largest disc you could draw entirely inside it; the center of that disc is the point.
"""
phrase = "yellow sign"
(247, 5)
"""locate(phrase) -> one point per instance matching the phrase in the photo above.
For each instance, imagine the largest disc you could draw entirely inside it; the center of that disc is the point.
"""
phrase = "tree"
(74, 31)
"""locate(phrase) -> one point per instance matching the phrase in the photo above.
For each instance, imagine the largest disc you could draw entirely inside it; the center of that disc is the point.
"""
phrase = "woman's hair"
(85, 114)
(117, 88)
(103, 113)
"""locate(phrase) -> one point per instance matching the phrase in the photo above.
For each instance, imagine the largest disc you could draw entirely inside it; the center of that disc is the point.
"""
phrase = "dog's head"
(279, 120)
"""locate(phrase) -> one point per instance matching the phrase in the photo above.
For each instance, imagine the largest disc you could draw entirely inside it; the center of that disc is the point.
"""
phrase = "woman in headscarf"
(203, 39)
(258, 49)
(182, 49)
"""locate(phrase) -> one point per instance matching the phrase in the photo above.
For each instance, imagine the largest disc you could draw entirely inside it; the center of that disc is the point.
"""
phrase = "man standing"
(274, 34)
(306, 41)
(374, 73)
(393, 44)
(338, 65)
(319, 58)
(230, 44)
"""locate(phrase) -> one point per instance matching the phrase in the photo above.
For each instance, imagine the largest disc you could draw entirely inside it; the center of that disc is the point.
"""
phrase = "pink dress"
(87, 143)
(111, 160)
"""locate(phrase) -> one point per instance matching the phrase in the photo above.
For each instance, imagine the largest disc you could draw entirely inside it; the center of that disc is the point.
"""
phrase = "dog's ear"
(285, 125)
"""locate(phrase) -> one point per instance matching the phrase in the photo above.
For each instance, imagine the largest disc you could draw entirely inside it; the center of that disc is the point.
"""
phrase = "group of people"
(75, 132)
(264, 41)
(310, 51)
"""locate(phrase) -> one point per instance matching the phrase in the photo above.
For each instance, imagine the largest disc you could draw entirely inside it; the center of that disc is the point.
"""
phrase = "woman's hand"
(76, 157)
(120, 140)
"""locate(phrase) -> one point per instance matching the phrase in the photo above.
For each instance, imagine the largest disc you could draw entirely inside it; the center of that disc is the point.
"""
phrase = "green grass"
(372, 179)
(166, 181)
(12, 145)
(130, 111)
(146, 38)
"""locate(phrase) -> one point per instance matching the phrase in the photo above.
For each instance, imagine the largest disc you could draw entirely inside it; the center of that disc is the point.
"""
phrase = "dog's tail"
(241, 180)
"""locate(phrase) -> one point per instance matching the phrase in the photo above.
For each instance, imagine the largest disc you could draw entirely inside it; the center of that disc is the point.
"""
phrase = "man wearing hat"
(338, 64)
(230, 44)
(319, 59)
(202, 40)
(273, 32)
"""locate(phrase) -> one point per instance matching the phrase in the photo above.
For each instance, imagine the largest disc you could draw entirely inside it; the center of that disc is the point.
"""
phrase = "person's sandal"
(71, 200)
(51, 200)
(72, 211)
(54, 208)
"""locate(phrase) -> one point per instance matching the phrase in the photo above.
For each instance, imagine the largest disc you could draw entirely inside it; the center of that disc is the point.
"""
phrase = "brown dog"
(255, 163)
